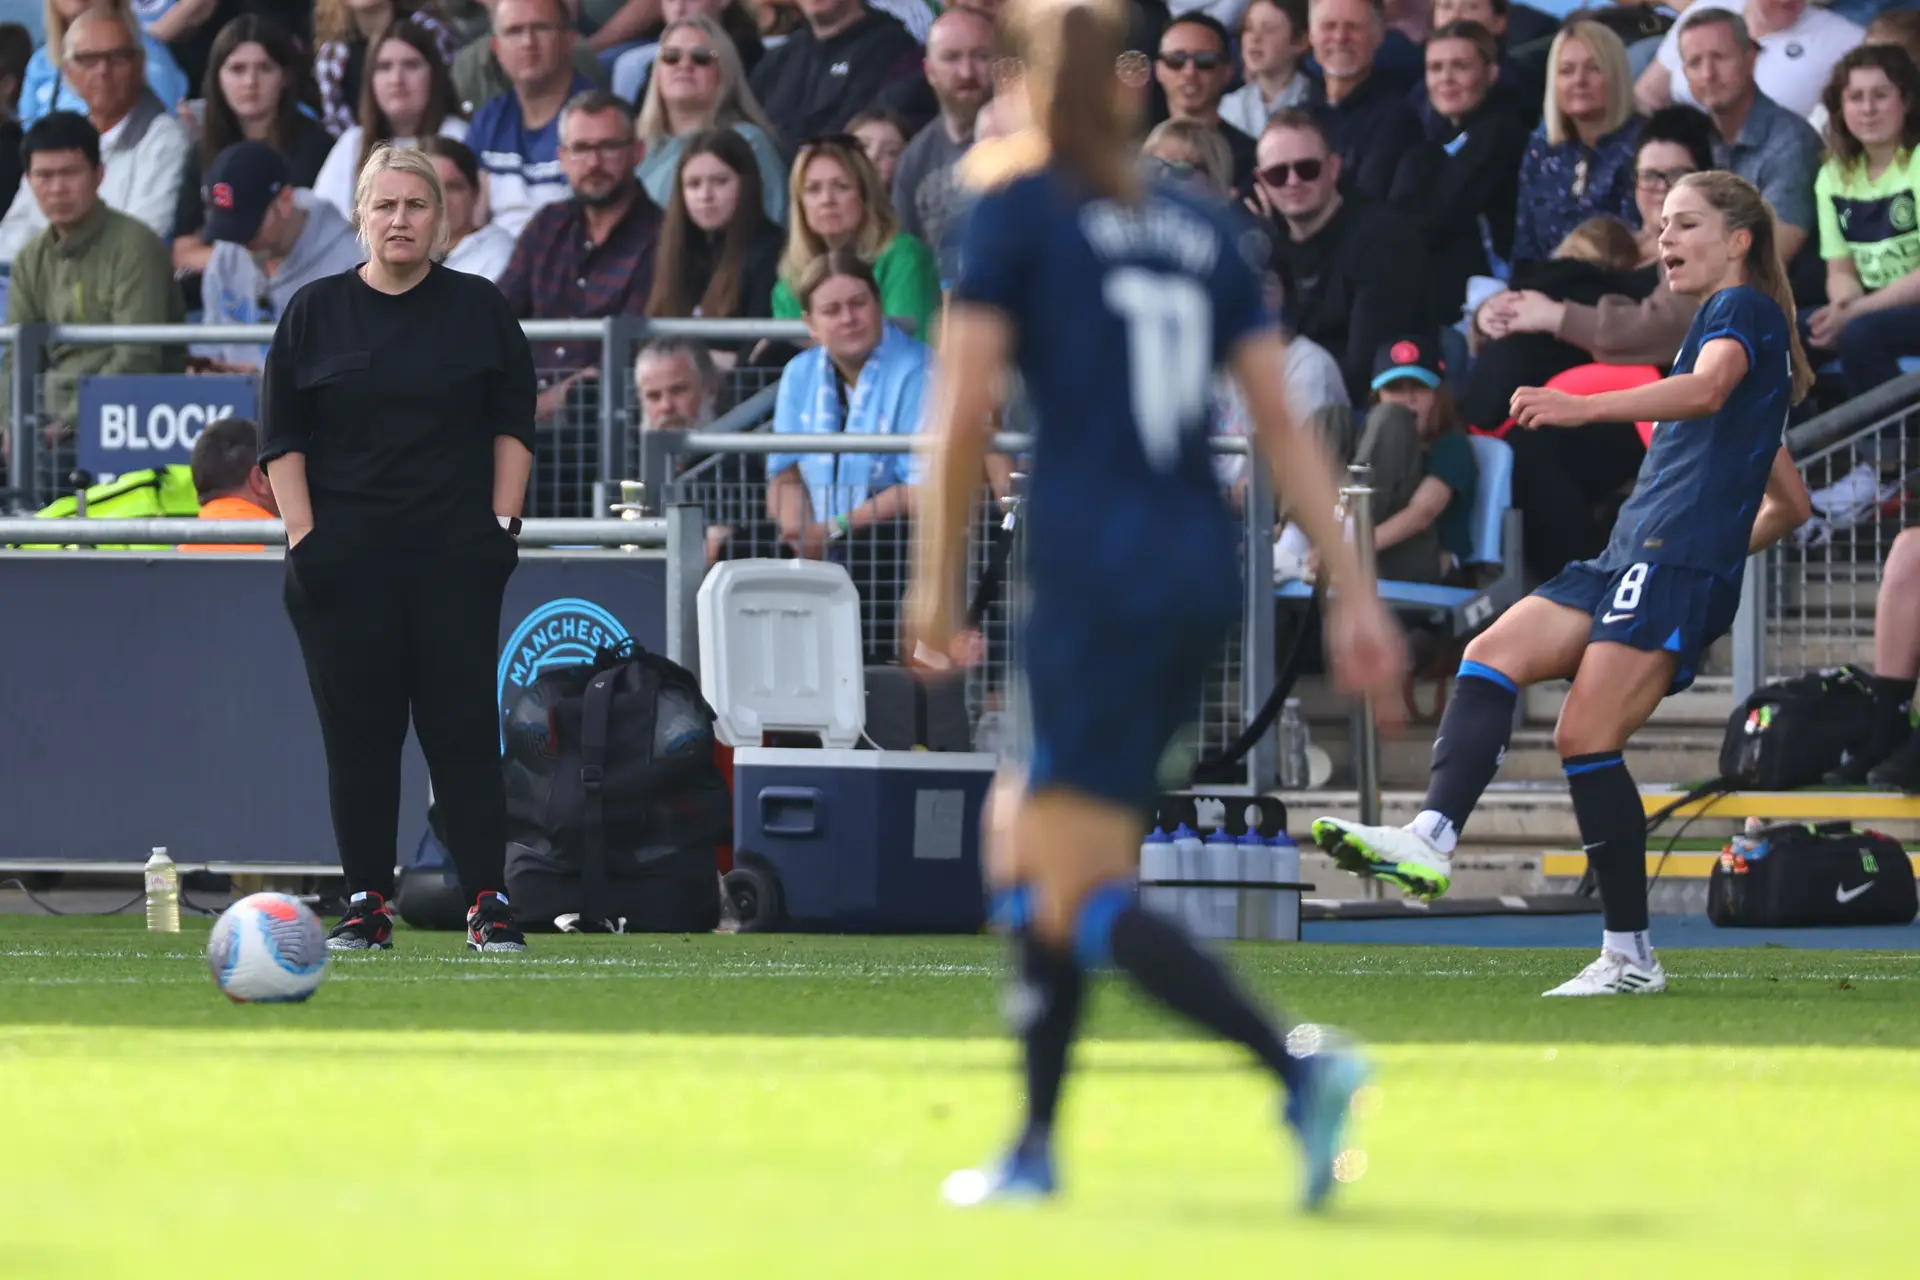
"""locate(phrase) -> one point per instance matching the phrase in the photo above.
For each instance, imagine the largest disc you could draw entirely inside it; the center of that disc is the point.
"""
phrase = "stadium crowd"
(1455, 198)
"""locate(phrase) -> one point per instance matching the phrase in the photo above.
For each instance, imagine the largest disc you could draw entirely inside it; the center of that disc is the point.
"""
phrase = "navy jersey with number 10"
(1122, 314)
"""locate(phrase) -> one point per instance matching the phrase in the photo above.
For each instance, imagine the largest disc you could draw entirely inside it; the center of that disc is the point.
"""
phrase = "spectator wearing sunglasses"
(632, 69)
(1355, 271)
(1366, 116)
(270, 239)
(698, 84)
(1459, 186)
(1193, 67)
(834, 66)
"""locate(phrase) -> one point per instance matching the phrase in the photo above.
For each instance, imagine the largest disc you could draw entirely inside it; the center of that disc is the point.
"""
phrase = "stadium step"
(1658, 754)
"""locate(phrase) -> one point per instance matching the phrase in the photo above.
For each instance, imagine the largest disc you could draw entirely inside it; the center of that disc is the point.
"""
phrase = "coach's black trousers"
(385, 636)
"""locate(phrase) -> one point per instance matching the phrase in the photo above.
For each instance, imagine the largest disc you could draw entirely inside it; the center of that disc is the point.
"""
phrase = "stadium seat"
(1592, 379)
(1459, 612)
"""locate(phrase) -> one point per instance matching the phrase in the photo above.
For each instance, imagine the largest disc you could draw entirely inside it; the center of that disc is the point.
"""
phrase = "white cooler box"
(863, 841)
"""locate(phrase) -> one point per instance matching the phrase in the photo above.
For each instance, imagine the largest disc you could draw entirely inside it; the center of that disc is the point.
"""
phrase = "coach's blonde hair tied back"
(401, 160)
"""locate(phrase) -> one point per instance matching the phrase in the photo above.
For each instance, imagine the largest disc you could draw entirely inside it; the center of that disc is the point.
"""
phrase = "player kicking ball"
(1117, 301)
(1628, 628)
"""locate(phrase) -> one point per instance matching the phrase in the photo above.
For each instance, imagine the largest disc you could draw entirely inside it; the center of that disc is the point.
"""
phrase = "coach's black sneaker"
(490, 925)
(367, 926)
(1901, 770)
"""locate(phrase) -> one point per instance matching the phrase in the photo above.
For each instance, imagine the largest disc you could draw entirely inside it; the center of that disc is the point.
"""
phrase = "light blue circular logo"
(560, 633)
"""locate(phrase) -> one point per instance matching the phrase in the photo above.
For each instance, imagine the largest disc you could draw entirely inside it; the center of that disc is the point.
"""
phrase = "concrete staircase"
(1824, 616)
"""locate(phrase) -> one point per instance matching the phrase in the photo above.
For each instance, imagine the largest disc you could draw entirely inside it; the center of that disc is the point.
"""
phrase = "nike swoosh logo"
(1615, 617)
(1848, 895)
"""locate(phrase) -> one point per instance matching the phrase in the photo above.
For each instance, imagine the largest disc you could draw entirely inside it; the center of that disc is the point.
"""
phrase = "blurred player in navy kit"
(1117, 302)
(1628, 627)
(397, 425)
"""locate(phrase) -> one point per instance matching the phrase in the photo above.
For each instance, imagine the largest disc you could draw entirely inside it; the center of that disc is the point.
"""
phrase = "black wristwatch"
(511, 524)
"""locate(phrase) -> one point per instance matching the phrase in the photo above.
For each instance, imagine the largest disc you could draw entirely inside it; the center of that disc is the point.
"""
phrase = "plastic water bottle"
(1157, 863)
(1256, 866)
(1293, 747)
(163, 893)
(1220, 860)
(1189, 905)
(1286, 902)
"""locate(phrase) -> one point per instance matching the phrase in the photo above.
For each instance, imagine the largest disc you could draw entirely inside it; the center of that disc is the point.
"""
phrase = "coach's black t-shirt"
(395, 399)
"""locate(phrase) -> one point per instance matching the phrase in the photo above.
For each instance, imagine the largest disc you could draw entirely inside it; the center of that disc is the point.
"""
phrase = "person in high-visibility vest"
(150, 492)
(228, 478)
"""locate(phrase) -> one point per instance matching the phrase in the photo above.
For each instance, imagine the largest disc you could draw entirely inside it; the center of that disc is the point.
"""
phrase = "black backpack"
(1824, 875)
(614, 801)
(1792, 733)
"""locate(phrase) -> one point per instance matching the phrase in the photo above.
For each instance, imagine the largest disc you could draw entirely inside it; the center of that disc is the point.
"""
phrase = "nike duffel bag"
(1829, 874)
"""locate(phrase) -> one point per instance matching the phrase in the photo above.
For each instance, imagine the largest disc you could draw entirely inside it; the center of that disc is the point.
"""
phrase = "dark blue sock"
(1166, 963)
(1044, 1008)
(1472, 743)
(1613, 827)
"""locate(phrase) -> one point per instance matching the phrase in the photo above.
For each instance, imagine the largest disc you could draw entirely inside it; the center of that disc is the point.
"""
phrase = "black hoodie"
(812, 87)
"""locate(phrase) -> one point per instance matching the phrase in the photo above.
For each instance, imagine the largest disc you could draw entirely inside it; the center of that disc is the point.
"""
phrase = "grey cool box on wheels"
(864, 841)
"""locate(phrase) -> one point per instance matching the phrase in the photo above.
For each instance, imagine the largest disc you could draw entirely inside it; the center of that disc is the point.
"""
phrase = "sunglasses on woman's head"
(1278, 175)
(1179, 58)
(702, 56)
(835, 140)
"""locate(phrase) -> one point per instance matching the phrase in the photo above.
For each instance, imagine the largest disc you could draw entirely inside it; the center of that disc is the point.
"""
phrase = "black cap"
(1415, 358)
(240, 184)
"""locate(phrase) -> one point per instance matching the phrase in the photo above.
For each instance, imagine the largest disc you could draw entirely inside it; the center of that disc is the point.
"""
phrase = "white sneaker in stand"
(1614, 975)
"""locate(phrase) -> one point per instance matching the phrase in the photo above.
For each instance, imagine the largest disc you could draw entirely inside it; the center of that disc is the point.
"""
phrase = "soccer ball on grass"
(267, 948)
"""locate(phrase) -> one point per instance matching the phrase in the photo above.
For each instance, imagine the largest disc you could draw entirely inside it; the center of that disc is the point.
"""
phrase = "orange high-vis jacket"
(229, 509)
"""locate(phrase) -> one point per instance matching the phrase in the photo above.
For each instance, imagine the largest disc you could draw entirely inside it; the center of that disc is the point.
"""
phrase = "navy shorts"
(1655, 607)
(1107, 696)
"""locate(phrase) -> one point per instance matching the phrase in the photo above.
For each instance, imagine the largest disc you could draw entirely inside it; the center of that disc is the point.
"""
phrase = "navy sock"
(1044, 1008)
(1168, 965)
(1473, 741)
(1613, 827)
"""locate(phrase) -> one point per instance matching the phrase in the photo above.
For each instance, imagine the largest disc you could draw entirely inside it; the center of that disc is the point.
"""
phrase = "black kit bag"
(1794, 732)
(1829, 874)
(614, 800)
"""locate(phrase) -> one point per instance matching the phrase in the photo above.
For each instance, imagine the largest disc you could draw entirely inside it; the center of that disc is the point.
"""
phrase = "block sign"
(133, 421)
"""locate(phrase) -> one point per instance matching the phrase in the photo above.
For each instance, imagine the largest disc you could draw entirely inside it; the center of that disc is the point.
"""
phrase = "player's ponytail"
(1744, 209)
(1069, 49)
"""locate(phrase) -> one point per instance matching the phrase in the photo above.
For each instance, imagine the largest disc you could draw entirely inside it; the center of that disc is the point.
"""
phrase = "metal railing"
(1809, 600)
(722, 470)
(581, 450)
(678, 532)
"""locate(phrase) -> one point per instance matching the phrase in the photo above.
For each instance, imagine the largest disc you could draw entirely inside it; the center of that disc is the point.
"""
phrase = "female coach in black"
(397, 425)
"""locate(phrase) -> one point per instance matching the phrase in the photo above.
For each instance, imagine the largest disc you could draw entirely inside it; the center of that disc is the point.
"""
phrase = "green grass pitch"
(756, 1106)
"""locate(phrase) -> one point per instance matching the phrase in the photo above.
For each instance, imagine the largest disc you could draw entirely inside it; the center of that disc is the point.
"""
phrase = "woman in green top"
(1866, 193)
(836, 201)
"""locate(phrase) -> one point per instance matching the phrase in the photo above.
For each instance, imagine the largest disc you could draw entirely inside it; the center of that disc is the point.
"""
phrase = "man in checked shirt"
(588, 256)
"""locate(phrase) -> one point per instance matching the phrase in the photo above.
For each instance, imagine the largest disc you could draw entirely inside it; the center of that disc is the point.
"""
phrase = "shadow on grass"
(1565, 1224)
(113, 973)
